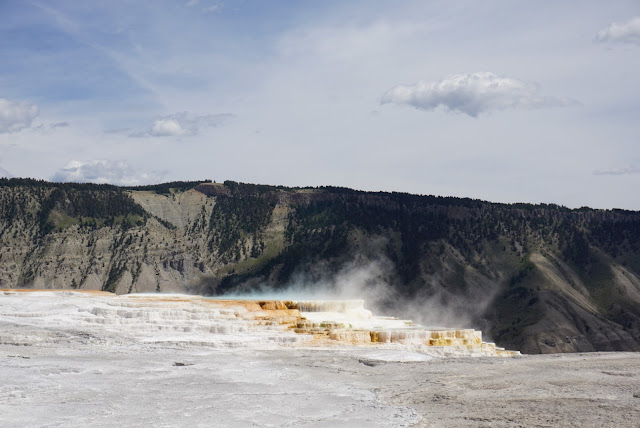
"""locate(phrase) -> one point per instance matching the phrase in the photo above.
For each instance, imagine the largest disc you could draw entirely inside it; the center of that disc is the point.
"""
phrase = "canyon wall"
(538, 278)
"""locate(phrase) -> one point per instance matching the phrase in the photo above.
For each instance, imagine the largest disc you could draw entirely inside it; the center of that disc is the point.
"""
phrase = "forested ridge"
(540, 278)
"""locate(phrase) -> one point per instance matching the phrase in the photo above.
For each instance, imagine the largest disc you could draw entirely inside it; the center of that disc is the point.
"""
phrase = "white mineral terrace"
(71, 359)
(184, 320)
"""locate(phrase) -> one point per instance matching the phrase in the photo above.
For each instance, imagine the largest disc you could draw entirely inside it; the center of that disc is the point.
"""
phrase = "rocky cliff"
(538, 278)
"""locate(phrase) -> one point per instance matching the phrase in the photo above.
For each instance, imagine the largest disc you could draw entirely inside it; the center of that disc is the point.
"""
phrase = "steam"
(369, 282)
(376, 282)
(445, 309)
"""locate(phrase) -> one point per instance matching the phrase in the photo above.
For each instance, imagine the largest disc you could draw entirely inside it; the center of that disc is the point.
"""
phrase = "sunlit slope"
(540, 278)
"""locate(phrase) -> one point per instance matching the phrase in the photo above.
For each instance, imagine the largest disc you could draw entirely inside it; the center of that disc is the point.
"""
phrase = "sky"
(527, 101)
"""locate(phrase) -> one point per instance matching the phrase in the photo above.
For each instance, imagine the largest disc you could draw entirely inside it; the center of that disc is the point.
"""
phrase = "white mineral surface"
(82, 359)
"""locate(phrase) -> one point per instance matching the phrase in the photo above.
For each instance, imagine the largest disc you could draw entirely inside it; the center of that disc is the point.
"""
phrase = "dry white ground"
(59, 371)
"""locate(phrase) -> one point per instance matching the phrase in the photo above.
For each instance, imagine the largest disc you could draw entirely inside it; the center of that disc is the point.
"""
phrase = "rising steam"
(376, 282)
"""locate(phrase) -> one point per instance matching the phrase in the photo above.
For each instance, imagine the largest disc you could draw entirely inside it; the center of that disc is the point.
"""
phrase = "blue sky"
(500, 100)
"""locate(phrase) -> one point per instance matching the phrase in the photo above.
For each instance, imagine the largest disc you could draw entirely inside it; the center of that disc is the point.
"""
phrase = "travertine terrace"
(96, 359)
(235, 322)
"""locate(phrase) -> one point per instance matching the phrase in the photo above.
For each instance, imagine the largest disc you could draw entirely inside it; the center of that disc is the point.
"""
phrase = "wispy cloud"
(5, 173)
(47, 128)
(60, 125)
(105, 171)
(117, 131)
(16, 115)
(626, 32)
(183, 124)
(215, 7)
(472, 94)
(631, 169)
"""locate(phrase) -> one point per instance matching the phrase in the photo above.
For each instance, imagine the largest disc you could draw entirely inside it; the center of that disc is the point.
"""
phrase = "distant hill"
(538, 278)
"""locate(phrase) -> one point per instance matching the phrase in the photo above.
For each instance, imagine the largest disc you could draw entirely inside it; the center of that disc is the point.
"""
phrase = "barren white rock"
(79, 359)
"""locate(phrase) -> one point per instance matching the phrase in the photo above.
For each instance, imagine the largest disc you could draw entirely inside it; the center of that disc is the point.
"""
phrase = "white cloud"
(472, 94)
(626, 32)
(212, 8)
(216, 7)
(104, 171)
(117, 131)
(166, 128)
(183, 124)
(632, 169)
(15, 115)
(5, 173)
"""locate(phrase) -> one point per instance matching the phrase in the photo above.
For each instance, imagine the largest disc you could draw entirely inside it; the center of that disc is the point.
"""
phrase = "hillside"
(538, 278)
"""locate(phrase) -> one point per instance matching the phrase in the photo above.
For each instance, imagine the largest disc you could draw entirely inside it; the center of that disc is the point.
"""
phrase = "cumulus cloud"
(626, 32)
(15, 115)
(104, 171)
(632, 169)
(472, 94)
(167, 127)
(183, 124)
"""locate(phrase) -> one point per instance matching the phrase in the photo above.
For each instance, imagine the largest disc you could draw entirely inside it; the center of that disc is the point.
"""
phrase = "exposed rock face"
(540, 278)
(180, 209)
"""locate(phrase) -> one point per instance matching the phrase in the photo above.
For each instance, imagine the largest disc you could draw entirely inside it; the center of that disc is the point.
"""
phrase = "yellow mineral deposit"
(317, 322)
